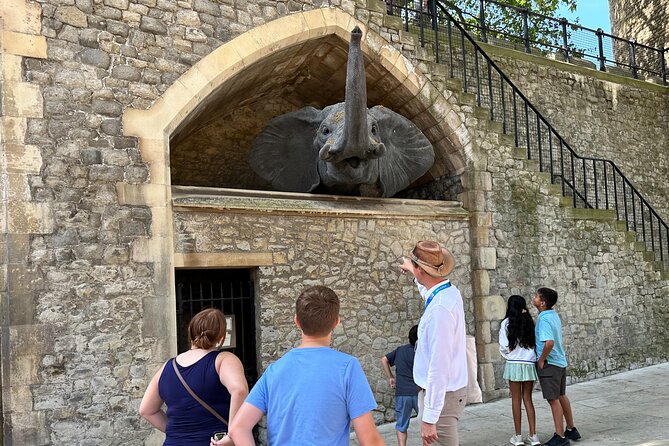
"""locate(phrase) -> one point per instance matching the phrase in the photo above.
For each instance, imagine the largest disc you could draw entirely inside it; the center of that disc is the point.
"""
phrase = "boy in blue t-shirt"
(313, 393)
(552, 366)
(406, 390)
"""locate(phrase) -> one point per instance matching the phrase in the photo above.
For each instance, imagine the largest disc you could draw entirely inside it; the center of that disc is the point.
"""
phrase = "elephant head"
(345, 148)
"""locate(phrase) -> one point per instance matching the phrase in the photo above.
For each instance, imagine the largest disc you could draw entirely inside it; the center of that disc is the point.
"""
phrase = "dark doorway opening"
(230, 290)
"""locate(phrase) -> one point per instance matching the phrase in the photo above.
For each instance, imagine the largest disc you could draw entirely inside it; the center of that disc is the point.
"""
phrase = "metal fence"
(521, 29)
(592, 183)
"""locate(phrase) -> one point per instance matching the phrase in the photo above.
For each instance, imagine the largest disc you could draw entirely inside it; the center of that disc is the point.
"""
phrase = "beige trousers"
(447, 425)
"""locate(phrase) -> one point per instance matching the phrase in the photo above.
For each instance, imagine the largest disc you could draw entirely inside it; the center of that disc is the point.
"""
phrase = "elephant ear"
(284, 153)
(409, 154)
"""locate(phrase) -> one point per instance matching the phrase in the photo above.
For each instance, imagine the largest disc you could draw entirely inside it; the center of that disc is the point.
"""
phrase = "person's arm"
(366, 431)
(231, 374)
(151, 407)
(241, 427)
(548, 346)
(388, 372)
(504, 339)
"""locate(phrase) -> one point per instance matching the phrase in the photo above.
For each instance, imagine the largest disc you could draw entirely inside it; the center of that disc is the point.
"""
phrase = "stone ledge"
(247, 201)
(223, 259)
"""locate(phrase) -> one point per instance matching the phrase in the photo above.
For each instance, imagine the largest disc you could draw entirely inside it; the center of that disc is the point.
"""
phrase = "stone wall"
(610, 298)
(642, 20)
(601, 115)
(88, 224)
(357, 257)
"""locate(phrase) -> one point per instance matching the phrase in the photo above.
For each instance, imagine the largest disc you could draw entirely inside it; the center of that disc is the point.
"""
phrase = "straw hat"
(436, 260)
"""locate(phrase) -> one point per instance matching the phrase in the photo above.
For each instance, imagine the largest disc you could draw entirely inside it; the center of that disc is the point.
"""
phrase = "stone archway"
(213, 76)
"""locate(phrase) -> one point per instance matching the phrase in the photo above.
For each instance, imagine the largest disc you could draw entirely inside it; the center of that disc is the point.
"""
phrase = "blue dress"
(188, 423)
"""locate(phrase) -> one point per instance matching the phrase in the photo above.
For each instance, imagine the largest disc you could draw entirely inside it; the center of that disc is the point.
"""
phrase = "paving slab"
(626, 409)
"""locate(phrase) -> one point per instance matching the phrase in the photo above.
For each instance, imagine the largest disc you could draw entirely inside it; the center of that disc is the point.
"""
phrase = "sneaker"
(556, 440)
(532, 440)
(517, 440)
(572, 434)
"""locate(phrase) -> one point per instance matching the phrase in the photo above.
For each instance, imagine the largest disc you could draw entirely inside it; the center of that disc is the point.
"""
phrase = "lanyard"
(441, 287)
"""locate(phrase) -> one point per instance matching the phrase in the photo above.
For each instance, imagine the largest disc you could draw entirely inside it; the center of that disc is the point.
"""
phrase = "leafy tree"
(506, 21)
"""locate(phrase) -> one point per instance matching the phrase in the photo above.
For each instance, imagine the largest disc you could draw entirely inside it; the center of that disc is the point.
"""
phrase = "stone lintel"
(222, 259)
(284, 203)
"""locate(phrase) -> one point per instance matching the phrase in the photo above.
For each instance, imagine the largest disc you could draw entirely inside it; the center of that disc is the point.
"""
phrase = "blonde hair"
(207, 328)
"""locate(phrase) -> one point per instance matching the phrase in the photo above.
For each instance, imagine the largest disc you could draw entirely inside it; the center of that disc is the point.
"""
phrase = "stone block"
(23, 159)
(481, 282)
(489, 308)
(484, 258)
(483, 333)
(22, 99)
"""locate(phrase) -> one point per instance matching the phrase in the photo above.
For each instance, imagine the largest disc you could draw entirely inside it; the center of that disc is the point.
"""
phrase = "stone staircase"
(440, 76)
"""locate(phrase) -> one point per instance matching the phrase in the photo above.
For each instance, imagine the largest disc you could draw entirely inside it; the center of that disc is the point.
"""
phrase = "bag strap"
(197, 398)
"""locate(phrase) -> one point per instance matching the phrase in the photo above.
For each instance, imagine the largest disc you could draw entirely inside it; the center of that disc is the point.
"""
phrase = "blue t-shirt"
(310, 396)
(549, 328)
(402, 359)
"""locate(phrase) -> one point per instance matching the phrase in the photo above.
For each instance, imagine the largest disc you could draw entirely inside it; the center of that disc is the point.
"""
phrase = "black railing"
(524, 30)
(591, 182)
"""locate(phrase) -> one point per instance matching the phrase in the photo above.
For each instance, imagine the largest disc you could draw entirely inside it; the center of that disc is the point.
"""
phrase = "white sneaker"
(517, 440)
(532, 440)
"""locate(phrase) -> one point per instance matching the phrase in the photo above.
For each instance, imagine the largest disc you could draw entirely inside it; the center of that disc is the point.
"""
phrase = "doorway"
(229, 290)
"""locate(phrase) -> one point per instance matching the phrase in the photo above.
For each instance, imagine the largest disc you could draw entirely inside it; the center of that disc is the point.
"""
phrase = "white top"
(440, 364)
(518, 354)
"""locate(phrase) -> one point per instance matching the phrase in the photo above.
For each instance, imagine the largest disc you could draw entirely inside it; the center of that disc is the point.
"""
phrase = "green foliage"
(506, 21)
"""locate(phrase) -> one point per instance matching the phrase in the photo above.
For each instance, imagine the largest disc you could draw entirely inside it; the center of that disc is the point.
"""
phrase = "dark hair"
(317, 309)
(548, 296)
(413, 335)
(520, 330)
(207, 328)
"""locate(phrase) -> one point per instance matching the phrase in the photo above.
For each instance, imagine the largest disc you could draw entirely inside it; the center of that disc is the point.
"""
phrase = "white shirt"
(440, 364)
(518, 354)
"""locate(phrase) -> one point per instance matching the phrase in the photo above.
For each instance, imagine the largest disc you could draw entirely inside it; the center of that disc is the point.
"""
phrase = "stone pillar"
(487, 307)
(22, 340)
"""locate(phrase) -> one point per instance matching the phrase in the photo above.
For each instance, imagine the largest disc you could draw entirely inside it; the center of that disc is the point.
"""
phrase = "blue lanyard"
(441, 287)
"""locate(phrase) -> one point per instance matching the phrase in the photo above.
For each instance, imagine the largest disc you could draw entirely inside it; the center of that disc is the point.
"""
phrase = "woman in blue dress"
(216, 377)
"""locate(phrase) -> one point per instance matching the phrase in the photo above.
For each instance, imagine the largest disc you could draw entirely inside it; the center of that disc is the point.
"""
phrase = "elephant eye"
(325, 131)
(374, 130)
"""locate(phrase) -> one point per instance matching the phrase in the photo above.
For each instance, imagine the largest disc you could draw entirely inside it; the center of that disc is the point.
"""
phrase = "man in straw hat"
(440, 364)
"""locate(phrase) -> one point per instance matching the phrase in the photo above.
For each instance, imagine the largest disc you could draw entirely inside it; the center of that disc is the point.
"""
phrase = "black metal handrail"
(534, 32)
(593, 183)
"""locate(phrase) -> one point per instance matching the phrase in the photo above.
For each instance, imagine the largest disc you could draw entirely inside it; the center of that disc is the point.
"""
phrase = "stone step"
(590, 214)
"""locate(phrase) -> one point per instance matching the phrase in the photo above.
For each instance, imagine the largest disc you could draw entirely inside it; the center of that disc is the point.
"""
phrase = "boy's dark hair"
(317, 309)
(413, 335)
(520, 330)
(548, 296)
(207, 328)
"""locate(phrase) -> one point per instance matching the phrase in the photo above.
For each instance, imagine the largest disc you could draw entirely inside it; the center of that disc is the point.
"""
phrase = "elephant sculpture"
(344, 148)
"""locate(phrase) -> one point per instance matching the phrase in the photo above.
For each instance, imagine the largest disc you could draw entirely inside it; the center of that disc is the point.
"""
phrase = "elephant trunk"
(355, 138)
(355, 124)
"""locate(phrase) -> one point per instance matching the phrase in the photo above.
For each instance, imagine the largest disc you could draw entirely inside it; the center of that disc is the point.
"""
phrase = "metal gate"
(230, 290)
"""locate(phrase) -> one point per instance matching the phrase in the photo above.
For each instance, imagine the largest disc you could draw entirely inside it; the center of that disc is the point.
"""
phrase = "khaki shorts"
(553, 380)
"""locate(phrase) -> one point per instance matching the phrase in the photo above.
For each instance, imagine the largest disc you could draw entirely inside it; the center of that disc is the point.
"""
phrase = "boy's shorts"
(403, 407)
(553, 380)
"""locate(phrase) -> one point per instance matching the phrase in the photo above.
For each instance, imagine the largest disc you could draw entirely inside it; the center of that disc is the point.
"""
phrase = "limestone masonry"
(125, 127)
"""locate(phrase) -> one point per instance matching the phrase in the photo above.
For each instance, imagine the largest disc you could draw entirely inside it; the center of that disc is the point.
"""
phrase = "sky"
(591, 14)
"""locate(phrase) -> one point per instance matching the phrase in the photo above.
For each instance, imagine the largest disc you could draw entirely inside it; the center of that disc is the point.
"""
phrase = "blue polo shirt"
(549, 328)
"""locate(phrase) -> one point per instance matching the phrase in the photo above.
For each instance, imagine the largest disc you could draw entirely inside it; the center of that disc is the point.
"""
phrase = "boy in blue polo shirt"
(406, 390)
(552, 366)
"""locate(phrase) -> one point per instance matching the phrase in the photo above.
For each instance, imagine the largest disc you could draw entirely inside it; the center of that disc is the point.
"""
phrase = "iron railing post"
(635, 72)
(565, 39)
(600, 44)
(526, 30)
(484, 36)
(433, 4)
(663, 65)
